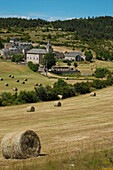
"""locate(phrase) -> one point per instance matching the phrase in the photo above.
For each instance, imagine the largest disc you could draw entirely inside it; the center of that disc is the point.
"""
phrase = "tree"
(75, 64)
(69, 63)
(88, 55)
(101, 72)
(17, 57)
(1, 44)
(33, 67)
(49, 60)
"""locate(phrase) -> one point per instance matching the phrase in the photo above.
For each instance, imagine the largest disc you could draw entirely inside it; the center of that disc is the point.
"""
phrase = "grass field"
(83, 125)
(20, 72)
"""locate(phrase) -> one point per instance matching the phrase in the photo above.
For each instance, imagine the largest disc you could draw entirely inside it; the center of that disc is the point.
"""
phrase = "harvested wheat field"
(80, 125)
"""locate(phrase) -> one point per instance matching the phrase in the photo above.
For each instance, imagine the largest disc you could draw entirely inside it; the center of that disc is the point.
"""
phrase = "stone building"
(36, 55)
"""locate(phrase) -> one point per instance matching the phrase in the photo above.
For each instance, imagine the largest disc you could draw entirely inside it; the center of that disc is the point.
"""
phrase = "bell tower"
(49, 47)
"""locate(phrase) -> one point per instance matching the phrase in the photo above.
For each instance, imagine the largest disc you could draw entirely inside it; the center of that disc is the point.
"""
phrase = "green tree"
(101, 72)
(49, 60)
(88, 55)
(1, 44)
(33, 67)
(69, 63)
(75, 64)
(17, 57)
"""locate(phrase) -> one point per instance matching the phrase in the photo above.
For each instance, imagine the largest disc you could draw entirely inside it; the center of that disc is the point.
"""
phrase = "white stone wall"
(35, 58)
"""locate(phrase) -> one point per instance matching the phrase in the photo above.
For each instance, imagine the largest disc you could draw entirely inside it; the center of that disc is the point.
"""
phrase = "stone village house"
(36, 55)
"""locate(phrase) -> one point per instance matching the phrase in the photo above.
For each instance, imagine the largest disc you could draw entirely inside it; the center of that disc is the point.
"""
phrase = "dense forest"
(98, 27)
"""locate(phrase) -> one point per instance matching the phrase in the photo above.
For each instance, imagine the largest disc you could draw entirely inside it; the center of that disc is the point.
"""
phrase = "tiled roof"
(73, 54)
(37, 51)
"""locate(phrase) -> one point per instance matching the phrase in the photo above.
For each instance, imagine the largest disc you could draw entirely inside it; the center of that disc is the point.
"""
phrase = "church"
(35, 55)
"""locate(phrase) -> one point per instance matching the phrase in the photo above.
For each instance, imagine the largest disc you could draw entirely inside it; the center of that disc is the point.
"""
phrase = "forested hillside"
(99, 27)
(95, 34)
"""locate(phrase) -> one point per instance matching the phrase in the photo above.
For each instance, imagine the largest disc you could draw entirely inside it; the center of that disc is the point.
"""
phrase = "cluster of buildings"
(35, 55)
(15, 47)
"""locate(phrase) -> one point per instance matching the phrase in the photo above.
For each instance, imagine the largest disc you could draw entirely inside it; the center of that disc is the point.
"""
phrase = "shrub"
(33, 67)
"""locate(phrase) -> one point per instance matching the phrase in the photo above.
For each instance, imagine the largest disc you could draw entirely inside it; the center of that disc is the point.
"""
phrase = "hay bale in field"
(25, 79)
(36, 84)
(23, 82)
(57, 104)
(30, 109)
(1, 79)
(12, 77)
(17, 80)
(21, 145)
(6, 84)
(66, 78)
(39, 84)
(60, 96)
(92, 94)
(15, 89)
(9, 75)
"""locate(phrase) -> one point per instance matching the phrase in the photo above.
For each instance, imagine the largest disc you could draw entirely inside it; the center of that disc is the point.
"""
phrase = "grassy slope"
(20, 72)
(82, 124)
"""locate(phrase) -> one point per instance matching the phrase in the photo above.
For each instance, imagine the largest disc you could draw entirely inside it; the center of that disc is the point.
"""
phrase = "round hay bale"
(21, 145)
(12, 77)
(1, 79)
(17, 80)
(6, 84)
(92, 94)
(23, 82)
(9, 75)
(36, 84)
(30, 109)
(57, 104)
(25, 79)
(39, 84)
(60, 96)
(66, 78)
(15, 89)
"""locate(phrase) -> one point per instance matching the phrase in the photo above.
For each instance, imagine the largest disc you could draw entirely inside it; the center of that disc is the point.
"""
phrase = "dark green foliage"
(17, 57)
(60, 83)
(88, 55)
(46, 94)
(27, 97)
(101, 72)
(69, 63)
(65, 91)
(33, 67)
(49, 60)
(99, 84)
(75, 64)
(102, 54)
(1, 44)
(82, 88)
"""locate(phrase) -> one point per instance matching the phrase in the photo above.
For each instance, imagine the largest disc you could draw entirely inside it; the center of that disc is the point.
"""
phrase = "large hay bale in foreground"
(92, 94)
(57, 104)
(21, 145)
(60, 96)
(30, 109)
